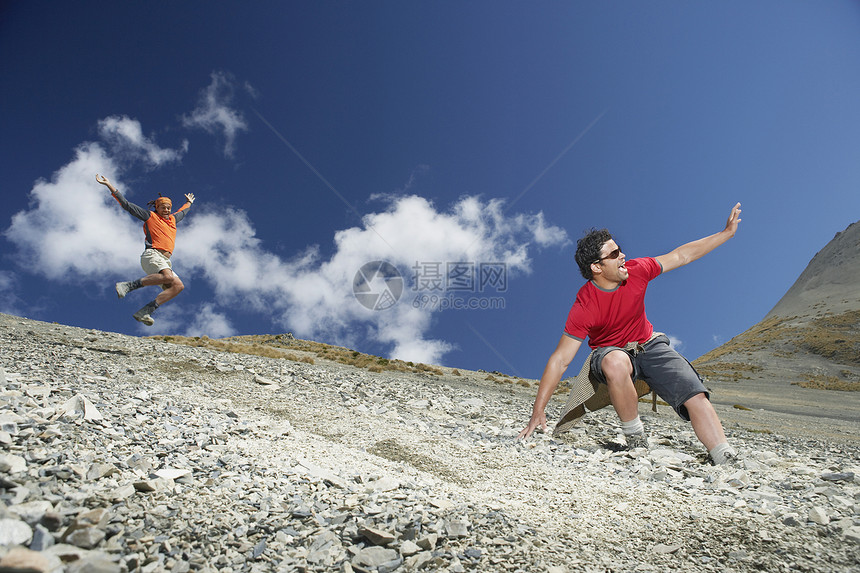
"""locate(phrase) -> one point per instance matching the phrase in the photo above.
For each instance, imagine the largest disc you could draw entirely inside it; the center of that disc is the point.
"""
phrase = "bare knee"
(616, 367)
(700, 405)
(698, 401)
(177, 285)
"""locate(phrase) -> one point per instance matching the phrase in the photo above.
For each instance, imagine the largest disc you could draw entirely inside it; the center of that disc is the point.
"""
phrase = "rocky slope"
(809, 340)
(120, 454)
(828, 285)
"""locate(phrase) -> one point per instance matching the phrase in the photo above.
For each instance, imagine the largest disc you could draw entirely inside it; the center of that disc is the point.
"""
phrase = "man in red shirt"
(159, 229)
(610, 311)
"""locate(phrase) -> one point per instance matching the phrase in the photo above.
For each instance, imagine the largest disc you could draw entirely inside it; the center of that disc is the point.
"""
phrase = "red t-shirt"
(614, 318)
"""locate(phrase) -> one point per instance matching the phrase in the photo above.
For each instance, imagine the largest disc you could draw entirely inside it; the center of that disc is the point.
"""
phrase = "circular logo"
(377, 285)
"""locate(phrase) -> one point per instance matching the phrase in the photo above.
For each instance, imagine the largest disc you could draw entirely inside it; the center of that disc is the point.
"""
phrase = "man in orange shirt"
(159, 228)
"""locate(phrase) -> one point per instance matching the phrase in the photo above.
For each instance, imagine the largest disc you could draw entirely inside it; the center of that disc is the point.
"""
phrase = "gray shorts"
(668, 373)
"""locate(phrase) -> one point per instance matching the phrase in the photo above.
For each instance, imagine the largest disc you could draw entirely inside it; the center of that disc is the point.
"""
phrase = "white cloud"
(314, 297)
(675, 342)
(209, 322)
(74, 226)
(214, 114)
(125, 138)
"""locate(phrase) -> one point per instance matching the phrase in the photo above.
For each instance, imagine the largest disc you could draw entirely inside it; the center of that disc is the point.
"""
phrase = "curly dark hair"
(588, 250)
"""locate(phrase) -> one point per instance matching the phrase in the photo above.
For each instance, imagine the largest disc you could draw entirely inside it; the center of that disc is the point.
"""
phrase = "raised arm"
(104, 181)
(135, 210)
(182, 211)
(558, 362)
(689, 252)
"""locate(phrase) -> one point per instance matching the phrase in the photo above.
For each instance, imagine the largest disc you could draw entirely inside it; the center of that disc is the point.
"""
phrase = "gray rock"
(325, 549)
(97, 563)
(838, 476)
(14, 532)
(42, 538)
(20, 559)
(85, 537)
(80, 406)
(408, 548)
(457, 528)
(428, 542)
(852, 535)
(818, 515)
(31, 511)
(374, 557)
(100, 470)
(376, 536)
(12, 464)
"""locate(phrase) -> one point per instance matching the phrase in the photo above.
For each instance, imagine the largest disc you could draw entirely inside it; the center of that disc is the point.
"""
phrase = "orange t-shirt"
(160, 233)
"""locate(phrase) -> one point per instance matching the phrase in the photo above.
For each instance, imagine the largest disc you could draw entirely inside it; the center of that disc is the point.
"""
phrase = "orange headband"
(162, 200)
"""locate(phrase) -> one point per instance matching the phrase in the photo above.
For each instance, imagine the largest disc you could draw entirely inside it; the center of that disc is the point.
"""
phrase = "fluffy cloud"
(54, 236)
(314, 297)
(125, 138)
(214, 113)
(210, 322)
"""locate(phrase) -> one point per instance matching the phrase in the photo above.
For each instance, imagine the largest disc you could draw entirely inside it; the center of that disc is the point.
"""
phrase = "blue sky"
(320, 136)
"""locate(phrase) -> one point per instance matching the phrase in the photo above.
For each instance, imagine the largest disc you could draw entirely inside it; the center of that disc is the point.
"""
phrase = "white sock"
(632, 427)
(718, 453)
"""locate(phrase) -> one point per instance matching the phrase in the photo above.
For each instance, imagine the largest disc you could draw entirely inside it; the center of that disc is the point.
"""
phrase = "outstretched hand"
(534, 423)
(734, 219)
(190, 197)
(106, 182)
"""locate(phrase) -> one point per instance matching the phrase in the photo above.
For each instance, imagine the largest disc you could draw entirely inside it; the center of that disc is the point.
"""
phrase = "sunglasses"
(612, 255)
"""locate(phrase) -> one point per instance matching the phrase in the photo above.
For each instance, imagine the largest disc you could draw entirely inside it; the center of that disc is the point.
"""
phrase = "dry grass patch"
(285, 346)
(731, 371)
(755, 338)
(828, 383)
(835, 338)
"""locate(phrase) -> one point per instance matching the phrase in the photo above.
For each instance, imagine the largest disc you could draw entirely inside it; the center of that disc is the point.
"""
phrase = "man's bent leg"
(705, 421)
(618, 371)
(165, 276)
(171, 284)
(614, 367)
(174, 287)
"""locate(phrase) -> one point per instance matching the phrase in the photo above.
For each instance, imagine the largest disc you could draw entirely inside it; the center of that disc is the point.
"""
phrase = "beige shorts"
(153, 262)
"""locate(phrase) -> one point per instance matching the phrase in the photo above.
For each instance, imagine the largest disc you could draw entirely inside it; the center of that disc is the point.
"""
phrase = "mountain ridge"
(810, 340)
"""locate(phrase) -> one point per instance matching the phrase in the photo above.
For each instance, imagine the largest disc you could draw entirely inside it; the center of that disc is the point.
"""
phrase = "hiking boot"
(143, 316)
(637, 441)
(123, 288)
(730, 459)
